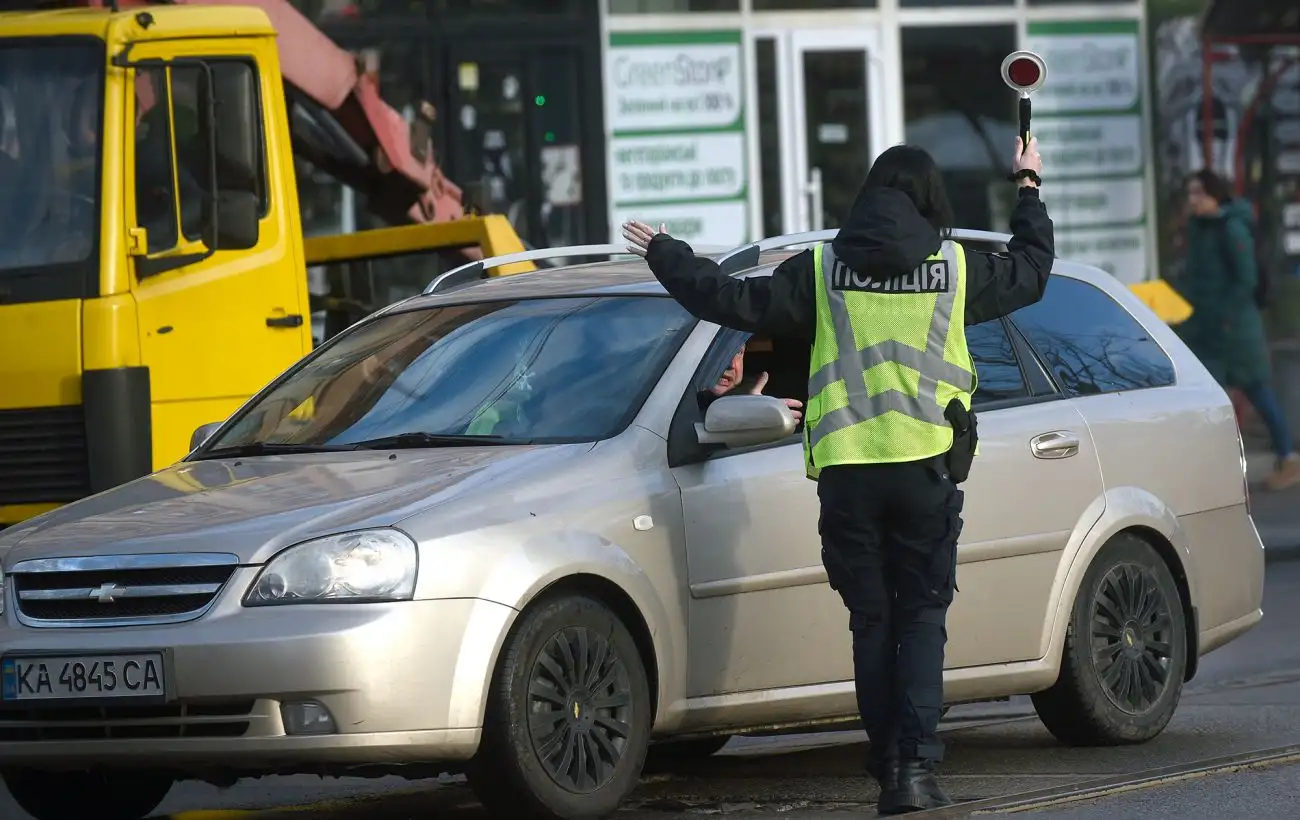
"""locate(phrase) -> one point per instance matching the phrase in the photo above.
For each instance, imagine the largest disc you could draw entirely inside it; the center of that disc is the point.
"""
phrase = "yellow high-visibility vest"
(888, 358)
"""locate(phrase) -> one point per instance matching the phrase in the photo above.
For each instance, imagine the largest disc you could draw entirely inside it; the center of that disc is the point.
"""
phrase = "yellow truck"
(153, 271)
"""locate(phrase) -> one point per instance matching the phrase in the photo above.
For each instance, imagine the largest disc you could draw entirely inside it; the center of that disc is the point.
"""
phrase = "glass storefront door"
(515, 128)
(823, 124)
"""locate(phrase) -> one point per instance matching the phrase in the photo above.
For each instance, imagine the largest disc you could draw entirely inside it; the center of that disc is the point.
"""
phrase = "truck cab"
(152, 263)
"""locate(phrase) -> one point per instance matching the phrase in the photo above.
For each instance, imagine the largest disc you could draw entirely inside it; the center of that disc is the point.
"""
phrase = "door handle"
(815, 201)
(1057, 444)
(292, 320)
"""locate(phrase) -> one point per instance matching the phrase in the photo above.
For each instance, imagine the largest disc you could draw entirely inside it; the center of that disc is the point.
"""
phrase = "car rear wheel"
(568, 716)
(103, 795)
(1125, 652)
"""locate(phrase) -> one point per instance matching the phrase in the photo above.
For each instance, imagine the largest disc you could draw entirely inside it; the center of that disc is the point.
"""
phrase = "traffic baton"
(1024, 72)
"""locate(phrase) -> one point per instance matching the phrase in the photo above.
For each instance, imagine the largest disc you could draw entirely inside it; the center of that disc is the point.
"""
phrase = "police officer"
(888, 433)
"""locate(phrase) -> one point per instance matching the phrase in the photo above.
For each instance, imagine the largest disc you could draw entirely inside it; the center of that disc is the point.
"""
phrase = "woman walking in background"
(1226, 329)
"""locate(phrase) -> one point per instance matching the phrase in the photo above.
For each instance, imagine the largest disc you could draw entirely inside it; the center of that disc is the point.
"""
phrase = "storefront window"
(467, 7)
(324, 12)
(957, 108)
(801, 5)
(669, 6)
(769, 134)
(912, 4)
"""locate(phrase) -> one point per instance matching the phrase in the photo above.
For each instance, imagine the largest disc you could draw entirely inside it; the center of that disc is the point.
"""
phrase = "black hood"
(885, 236)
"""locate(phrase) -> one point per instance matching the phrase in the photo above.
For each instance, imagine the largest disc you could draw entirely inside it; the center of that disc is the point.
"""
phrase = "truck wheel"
(568, 716)
(1125, 651)
(55, 795)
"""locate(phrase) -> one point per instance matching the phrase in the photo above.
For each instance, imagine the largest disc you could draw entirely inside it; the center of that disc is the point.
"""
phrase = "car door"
(760, 613)
(214, 327)
(1035, 483)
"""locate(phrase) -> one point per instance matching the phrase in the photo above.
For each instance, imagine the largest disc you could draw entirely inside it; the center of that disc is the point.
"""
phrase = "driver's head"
(8, 124)
(83, 119)
(733, 375)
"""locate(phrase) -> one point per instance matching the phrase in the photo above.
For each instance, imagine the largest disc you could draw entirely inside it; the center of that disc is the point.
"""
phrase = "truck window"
(172, 149)
(51, 96)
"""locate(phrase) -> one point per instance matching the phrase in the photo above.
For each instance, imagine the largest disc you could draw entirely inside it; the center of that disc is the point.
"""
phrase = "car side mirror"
(744, 421)
(203, 434)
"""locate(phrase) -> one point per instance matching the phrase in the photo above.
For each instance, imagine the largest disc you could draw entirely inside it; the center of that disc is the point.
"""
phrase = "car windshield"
(51, 115)
(539, 371)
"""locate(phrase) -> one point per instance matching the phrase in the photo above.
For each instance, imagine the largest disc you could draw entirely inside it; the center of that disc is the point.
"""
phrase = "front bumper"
(402, 682)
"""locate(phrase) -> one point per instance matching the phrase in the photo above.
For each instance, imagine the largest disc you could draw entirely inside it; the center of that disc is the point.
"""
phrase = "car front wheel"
(568, 716)
(103, 795)
(1125, 652)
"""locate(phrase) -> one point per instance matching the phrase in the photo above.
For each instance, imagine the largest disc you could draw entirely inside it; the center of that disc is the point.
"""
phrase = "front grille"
(43, 456)
(214, 719)
(118, 590)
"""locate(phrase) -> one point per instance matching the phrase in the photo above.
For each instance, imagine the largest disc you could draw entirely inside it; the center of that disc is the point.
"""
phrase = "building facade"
(735, 119)
(730, 120)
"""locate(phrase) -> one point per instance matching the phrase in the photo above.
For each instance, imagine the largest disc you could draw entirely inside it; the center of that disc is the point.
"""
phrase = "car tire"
(667, 754)
(564, 739)
(1125, 652)
(103, 795)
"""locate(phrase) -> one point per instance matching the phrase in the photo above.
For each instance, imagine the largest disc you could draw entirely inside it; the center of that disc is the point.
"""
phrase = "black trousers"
(889, 543)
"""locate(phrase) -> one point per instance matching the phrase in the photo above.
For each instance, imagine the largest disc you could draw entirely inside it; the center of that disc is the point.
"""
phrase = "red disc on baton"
(1024, 72)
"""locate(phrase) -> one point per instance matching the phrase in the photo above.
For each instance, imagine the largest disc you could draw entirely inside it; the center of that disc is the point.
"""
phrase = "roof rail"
(475, 270)
(746, 256)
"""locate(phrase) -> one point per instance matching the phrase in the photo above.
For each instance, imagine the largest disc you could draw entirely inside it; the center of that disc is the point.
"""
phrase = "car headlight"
(368, 565)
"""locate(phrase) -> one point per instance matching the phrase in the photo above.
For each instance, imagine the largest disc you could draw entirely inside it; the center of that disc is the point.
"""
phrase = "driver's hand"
(796, 406)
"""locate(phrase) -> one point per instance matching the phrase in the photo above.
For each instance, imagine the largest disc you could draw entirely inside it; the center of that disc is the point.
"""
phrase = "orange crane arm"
(340, 123)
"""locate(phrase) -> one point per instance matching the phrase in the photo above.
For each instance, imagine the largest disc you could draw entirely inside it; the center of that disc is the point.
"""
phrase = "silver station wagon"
(507, 527)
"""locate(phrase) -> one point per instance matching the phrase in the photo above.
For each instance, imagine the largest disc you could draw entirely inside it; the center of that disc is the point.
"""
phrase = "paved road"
(1246, 697)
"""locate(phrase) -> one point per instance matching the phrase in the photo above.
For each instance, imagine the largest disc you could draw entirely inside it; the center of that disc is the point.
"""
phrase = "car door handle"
(292, 320)
(1057, 444)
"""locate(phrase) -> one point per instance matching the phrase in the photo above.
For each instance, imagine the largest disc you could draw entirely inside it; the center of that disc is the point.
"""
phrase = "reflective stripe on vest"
(851, 364)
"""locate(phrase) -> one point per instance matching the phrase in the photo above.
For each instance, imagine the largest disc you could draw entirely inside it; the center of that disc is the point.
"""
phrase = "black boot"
(916, 789)
(885, 772)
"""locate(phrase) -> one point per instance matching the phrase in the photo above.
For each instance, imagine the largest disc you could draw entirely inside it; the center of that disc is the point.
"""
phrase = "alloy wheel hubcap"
(579, 709)
(1132, 634)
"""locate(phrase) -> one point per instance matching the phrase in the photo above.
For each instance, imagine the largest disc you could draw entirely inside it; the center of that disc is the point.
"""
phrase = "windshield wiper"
(262, 448)
(416, 441)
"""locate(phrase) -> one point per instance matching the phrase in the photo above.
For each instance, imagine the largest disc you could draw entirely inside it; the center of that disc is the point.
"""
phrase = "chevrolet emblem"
(577, 710)
(106, 593)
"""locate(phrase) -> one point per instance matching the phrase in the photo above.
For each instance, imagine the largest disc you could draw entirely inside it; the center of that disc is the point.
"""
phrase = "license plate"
(75, 677)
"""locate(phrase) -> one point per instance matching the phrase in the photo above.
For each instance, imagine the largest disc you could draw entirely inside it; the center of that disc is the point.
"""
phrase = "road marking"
(332, 804)
(1109, 786)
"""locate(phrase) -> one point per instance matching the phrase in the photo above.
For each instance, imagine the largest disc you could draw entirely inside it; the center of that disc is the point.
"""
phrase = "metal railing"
(746, 256)
(472, 271)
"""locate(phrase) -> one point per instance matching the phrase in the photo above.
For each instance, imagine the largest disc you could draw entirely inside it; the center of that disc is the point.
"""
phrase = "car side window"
(1089, 343)
(997, 367)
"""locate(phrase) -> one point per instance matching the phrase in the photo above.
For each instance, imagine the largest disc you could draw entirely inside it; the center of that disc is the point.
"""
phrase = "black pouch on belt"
(964, 438)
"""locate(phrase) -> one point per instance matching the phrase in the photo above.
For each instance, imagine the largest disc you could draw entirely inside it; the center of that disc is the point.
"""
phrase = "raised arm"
(999, 284)
(782, 304)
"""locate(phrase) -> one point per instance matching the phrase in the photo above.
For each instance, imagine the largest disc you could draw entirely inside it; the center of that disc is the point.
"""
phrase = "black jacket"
(883, 237)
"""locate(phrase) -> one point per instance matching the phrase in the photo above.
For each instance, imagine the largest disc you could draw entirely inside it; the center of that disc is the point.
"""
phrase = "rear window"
(1089, 343)
(997, 368)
